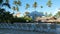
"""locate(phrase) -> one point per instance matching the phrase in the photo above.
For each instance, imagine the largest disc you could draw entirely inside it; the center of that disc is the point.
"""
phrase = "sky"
(53, 9)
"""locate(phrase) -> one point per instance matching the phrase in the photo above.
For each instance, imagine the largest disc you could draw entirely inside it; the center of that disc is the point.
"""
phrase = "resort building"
(47, 19)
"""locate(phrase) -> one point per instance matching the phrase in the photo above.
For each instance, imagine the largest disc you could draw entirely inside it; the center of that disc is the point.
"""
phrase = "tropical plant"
(28, 19)
(41, 6)
(57, 14)
(5, 16)
(27, 6)
(35, 5)
(13, 7)
(1, 1)
(49, 3)
(7, 1)
(17, 4)
(2, 4)
(27, 13)
(17, 9)
(6, 4)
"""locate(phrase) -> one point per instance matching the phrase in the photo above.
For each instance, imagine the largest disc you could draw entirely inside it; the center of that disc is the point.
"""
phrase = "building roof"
(46, 19)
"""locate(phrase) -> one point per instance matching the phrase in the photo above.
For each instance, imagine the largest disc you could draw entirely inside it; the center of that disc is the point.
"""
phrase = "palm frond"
(1, 1)
(19, 3)
(27, 6)
(49, 3)
(35, 4)
(6, 4)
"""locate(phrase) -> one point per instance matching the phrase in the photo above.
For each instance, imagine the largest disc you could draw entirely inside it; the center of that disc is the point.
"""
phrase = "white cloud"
(55, 11)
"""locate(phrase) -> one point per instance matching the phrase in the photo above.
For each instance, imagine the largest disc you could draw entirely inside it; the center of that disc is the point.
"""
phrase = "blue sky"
(53, 9)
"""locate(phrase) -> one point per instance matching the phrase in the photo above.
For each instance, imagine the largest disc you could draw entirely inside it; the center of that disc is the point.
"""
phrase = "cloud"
(55, 11)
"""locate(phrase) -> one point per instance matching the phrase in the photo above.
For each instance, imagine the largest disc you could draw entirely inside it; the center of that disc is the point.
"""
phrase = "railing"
(39, 27)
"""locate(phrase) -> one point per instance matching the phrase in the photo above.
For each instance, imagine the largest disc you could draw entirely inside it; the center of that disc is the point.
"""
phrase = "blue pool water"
(10, 30)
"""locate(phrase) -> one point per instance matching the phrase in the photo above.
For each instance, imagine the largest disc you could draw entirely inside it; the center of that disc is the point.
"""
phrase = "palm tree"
(13, 7)
(7, 1)
(57, 14)
(49, 3)
(1, 1)
(17, 9)
(7, 4)
(4, 14)
(27, 6)
(41, 6)
(26, 13)
(17, 4)
(35, 5)
(2, 4)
